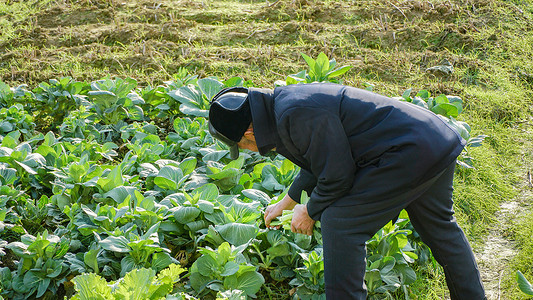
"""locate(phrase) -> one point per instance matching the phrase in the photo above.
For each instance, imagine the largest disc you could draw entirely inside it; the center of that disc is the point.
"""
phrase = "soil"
(158, 37)
(496, 257)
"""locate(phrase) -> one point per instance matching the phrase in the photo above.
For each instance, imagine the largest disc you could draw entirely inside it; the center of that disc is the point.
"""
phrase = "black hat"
(230, 117)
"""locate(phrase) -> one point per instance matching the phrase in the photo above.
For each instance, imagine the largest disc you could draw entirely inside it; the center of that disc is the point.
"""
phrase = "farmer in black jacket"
(363, 157)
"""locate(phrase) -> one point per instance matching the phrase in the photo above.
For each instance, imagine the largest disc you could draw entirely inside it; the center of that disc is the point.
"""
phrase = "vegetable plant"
(389, 254)
(286, 218)
(56, 98)
(524, 284)
(225, 268)
(320, 70)
(15, 118)
(137, 249)
(310, 278)
(137, 284)
(195, 99)
(10, 96)
(227, 176)
(41, 267)
(273, 177)
(113, 100)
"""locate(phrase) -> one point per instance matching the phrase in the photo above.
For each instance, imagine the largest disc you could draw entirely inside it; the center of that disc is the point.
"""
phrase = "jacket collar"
(264, 124)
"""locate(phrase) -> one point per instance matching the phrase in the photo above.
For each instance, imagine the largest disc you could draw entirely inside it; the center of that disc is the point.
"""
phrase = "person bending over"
(363, 157)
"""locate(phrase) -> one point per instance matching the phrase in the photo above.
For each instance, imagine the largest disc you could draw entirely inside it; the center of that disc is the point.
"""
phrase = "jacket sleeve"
(304, 181)
(319, 137)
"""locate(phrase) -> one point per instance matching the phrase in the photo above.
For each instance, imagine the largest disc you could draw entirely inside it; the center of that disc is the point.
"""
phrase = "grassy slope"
(389, 43)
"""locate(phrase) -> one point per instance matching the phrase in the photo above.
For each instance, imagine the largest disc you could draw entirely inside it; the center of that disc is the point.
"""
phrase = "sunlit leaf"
(237, 233)
(115, 244)
(524, 284)
(92, 287)
(210, 87)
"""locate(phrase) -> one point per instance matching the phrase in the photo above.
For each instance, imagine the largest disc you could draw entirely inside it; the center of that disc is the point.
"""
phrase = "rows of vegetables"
(109, 190)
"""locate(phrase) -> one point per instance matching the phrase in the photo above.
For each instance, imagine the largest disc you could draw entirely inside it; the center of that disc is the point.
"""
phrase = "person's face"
(248, 141)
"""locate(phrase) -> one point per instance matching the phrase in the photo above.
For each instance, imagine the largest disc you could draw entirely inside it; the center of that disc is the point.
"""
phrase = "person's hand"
(275, 210)
(301, 221)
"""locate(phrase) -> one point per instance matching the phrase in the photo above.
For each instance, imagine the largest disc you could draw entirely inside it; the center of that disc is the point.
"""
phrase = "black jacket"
(353, 146)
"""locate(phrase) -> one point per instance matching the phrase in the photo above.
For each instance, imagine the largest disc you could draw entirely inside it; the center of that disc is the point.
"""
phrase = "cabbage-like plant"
(137, 284)
(114, 100)
(41, 266)
(56, 98)
(320, 70)
(225, 268)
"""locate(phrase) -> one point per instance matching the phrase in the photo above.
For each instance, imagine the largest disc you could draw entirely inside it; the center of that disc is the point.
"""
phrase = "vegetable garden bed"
(143, 209)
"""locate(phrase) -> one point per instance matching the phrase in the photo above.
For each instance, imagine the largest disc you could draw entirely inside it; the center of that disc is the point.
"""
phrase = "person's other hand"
(275, 210)
(301, 221)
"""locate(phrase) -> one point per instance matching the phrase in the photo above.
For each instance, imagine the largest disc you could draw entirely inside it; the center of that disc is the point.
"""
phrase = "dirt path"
(494, 259)
(499, 249)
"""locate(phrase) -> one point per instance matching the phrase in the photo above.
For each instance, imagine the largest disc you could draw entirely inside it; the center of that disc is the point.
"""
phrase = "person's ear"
(249, 134)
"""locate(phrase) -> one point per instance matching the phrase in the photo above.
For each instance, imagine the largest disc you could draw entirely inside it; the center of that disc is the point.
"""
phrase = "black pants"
(345, 229)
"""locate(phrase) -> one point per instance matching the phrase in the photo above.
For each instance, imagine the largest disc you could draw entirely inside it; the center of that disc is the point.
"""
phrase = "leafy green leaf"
(524, 284)
(31, 280)
(322, 65)
(105, 99)
(26, 167)
(53, 268)
(121, 193)
(310, 62)
(338, 72)
(446, 109)
(161, 260)
(207, 192)
(207, 265)
(18, 285)
(257, 195)
(136, 112)
(197, 225)
(408, 274)
(7, 175)
(188, 165)
(171, 273)
(186, 214)
(210, 87)
(234, 81)
(206, 206)
(42, 287)
(136, 284)
(91, 287)
(168, 177)
(230, 268)
(237, 233)
(249, 282)
(112, 180)
(126, 265)
(373, 279)
(115, 244)
(90, 259)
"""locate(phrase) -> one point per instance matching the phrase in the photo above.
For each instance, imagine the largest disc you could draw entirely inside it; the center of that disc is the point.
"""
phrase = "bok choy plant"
(286, 218)
(225, 268)
(320, 70)
(137, 284)
(41, 266)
